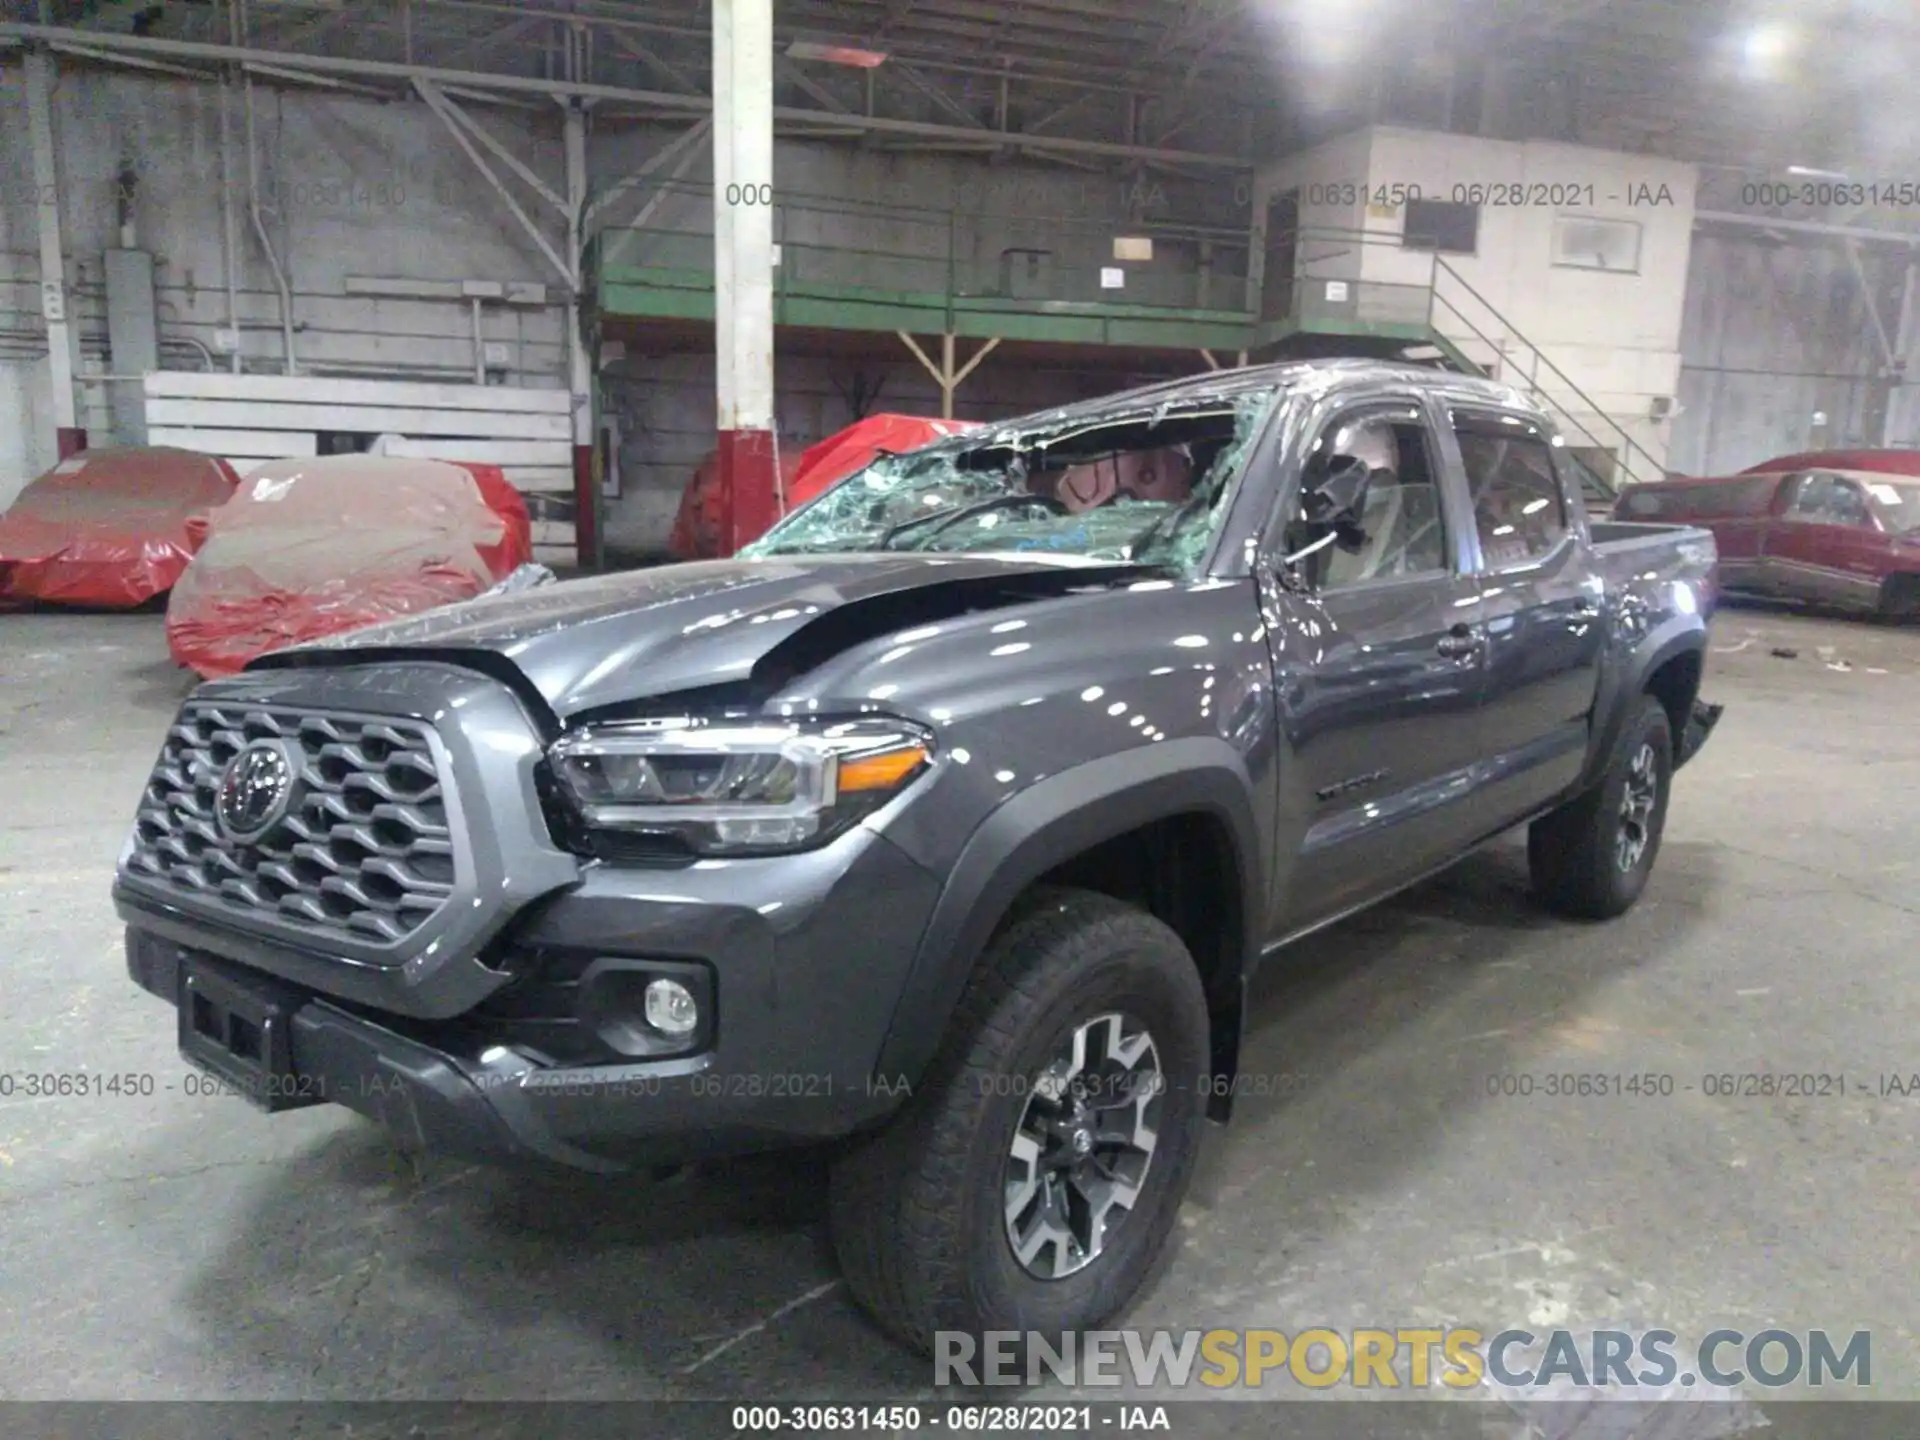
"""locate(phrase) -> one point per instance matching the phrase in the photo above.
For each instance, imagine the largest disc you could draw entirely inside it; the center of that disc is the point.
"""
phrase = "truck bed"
(1634, 556)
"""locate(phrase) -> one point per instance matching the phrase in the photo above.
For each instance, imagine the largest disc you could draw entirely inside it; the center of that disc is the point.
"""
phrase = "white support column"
(586, 492)
(743, 264)
(61, 351)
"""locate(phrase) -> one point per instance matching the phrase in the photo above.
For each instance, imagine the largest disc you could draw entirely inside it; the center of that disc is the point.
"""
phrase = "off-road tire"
(918, 1212)
(1575, 853)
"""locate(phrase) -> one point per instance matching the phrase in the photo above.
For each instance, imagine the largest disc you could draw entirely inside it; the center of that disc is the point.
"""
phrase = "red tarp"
(855, 447)
(1887, 462)
(309, 548)
(697, 528)
(108, 527)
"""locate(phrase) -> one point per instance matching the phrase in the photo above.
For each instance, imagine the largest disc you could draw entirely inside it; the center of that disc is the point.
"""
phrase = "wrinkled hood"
(585, 644)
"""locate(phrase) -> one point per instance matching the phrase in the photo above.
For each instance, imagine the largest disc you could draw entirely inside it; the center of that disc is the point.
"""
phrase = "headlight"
(727, 788)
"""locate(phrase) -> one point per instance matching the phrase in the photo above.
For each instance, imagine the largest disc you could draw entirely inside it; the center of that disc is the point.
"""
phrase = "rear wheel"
(1590, 859)
(1900, 598)
(1034, 1177)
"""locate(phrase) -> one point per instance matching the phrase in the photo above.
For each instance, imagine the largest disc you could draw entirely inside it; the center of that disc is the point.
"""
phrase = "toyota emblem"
(256, 791)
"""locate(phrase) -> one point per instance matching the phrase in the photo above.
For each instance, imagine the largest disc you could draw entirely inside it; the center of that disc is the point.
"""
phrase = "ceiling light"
(1767, 45)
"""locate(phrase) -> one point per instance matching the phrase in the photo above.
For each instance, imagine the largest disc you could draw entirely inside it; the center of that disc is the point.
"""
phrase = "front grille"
(363, 850)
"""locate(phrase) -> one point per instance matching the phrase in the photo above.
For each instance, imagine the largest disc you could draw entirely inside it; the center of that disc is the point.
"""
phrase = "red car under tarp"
(697, 528)
(108, 527)
(309, 548)
(855, 448)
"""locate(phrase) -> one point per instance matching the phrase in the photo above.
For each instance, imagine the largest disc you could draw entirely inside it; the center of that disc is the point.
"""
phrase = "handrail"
(1633, 455)
(1540, 357)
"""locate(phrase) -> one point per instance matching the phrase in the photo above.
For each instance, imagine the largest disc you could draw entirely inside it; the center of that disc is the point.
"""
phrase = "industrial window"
(1518, 505)
(1585, 243)
(1443, 226)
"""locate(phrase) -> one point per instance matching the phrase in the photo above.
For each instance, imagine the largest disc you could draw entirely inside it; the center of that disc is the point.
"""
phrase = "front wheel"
(1590, 859)
(1033, 1179)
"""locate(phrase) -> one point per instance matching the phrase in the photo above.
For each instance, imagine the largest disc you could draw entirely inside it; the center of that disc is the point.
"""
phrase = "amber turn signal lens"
(880, 772)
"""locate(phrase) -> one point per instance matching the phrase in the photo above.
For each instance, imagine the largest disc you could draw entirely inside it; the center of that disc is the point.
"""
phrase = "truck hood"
(588, 644)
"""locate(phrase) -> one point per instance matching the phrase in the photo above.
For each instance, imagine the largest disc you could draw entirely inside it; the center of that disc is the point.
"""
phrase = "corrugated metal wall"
(1777, 334)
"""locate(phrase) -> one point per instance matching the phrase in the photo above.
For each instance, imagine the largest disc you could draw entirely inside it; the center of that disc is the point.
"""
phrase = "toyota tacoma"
(944, 826)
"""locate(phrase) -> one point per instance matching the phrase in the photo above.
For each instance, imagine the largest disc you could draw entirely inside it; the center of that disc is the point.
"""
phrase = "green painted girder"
(659, 293)
(662, 293)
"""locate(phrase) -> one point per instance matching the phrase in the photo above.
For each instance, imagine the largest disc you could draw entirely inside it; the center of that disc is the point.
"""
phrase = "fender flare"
(1048, 824)
(1680, 635)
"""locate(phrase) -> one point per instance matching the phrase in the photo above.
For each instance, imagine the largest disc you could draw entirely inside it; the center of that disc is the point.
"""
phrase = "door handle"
(1460, 642)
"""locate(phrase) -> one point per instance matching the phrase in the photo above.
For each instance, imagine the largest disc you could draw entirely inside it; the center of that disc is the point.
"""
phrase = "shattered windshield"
(1148, 487)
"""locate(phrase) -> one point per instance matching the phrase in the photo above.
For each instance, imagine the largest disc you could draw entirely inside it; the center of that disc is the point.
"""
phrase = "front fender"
(1049, 824)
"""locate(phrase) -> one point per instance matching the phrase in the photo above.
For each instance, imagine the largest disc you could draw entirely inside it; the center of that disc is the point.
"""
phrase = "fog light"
(671, 1008)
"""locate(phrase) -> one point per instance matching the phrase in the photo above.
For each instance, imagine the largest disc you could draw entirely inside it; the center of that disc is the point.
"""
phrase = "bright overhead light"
(835, 54)
(1810, 172)
(1767, 45)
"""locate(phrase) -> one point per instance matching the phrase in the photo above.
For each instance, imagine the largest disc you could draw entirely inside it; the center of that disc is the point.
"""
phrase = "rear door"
(1379, 667)
(1540, 605)
(1738, 512)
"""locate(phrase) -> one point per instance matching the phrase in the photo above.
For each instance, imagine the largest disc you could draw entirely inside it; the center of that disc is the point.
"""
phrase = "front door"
(1852, 547)
(1826, 546)
(1379, 668)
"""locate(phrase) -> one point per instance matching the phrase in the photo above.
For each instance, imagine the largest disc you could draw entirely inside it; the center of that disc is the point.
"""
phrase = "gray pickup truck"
(945, 826)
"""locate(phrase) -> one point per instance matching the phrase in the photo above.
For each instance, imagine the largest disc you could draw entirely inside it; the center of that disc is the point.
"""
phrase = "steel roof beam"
(666, 102)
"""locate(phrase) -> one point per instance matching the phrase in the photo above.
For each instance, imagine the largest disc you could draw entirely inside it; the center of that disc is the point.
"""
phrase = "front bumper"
(807, 957)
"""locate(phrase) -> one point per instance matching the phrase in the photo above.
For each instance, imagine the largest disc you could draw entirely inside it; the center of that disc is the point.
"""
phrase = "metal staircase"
(1496, 347)
(1317, 306)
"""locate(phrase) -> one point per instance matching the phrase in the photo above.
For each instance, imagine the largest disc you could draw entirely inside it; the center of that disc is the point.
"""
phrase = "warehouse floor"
(173, 1246)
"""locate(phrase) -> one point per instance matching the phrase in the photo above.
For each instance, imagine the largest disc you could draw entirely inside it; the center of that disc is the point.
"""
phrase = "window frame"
(1572, 515)
(1408, 241)
(1869, 516)
(1639, 243)
(1405, 409)
(1796, 485)
(1803, 480)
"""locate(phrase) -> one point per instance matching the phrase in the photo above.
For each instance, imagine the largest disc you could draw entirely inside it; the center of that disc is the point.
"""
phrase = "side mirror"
(1335, 496)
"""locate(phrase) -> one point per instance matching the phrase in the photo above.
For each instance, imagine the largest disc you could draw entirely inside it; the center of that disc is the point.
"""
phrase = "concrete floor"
(178, 1247)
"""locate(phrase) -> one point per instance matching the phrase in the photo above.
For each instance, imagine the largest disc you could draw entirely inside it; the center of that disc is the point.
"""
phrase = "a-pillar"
(743, 265)
(70, 438)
